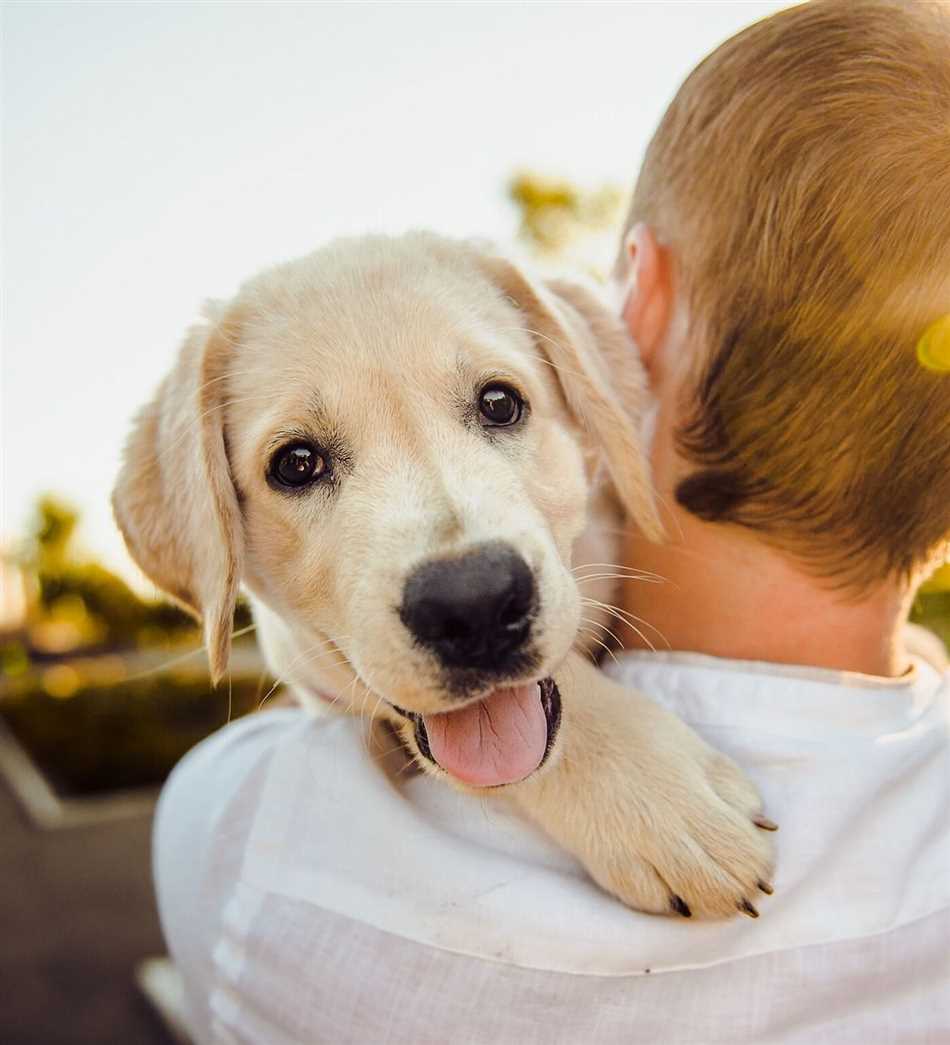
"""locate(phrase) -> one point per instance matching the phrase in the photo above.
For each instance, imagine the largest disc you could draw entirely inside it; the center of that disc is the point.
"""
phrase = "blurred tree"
(76, 604)
(54, 527)
(568, 225)
(79, 662)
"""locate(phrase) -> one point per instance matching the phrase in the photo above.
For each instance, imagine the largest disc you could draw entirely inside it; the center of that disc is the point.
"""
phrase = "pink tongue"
(499, 740)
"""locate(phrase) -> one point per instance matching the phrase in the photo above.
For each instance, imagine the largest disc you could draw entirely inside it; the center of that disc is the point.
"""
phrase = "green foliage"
(52, 532)
(938, 581)
(78, 604)
(80, 689)
(932, 610)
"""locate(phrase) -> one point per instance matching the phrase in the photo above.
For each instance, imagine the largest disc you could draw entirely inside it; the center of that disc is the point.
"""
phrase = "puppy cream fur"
(375, 348)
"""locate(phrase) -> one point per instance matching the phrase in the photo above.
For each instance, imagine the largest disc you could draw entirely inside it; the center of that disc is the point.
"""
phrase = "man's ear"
(647, 292)
(600, 377)
(174, 499)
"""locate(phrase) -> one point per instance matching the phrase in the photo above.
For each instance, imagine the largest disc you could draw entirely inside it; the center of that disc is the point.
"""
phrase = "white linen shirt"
(312, 891)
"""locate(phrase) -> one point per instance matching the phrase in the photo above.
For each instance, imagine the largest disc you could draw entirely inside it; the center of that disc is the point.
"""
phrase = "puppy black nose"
(473, 611)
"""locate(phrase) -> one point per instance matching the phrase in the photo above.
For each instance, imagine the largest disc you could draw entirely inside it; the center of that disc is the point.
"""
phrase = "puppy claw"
(766, 887)
(680, 906)
(765, 823)
(746, 908)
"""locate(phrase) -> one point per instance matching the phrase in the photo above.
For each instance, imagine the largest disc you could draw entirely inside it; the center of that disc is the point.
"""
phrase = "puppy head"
(391, 443)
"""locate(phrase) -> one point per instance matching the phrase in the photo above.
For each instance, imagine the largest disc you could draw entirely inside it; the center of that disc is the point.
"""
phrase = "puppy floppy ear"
(600, 375)
(174, 499)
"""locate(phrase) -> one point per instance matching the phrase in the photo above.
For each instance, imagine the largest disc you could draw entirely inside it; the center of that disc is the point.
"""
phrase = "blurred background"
(158, 154)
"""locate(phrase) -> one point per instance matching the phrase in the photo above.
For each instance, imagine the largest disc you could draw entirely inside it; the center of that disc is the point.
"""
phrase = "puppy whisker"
(182, 658)
(196, 422)
(543, 359)
(614, 576)
(628, 571)
(603, 645)
(308, 657)
(628, 619)
(598, 624)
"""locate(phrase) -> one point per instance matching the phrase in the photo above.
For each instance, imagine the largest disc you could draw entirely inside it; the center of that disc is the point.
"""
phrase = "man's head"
(787, 246)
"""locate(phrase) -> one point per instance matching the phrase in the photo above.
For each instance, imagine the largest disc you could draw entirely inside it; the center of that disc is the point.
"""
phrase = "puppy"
(392, 444)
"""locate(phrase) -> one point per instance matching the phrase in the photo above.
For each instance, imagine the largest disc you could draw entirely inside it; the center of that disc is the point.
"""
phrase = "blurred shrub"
(85, 686)
(932, 610)
(94, 737)
(75, 604)
(938, 581)
(931, 606)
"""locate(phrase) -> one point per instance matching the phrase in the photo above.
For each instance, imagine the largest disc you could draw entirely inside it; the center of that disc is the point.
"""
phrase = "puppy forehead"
(343, 340)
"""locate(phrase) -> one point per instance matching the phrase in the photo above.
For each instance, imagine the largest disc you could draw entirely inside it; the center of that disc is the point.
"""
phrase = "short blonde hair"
(801, 177)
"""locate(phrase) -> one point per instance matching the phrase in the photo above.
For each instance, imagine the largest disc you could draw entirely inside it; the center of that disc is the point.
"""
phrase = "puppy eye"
(297, 464)
(500, 406)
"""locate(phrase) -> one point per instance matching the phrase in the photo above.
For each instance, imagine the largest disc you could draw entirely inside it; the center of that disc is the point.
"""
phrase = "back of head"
(801, 178)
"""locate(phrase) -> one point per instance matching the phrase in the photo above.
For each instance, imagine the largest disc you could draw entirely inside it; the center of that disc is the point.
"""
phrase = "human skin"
(726, 592)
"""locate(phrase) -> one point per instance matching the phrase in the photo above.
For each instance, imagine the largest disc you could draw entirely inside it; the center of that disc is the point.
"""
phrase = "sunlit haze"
(155, 155)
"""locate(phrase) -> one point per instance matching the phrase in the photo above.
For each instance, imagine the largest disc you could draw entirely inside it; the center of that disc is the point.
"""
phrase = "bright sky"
(158, 154)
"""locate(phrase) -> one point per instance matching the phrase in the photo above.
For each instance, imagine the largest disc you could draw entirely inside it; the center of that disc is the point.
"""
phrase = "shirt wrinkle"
(302, 884)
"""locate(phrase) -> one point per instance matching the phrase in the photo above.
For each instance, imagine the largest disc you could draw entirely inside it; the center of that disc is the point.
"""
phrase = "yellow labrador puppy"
(393, 444)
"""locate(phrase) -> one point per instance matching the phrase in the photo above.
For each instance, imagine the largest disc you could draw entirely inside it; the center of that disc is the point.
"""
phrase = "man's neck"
(727, 594)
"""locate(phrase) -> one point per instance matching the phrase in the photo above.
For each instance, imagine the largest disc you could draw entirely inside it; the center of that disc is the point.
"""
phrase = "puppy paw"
(659, 819)
(699, 849)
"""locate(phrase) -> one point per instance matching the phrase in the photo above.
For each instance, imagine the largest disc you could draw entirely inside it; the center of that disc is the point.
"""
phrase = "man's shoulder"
(719, 690)
(227, 755)
(305, 811)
